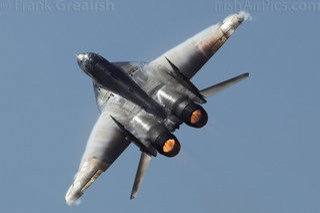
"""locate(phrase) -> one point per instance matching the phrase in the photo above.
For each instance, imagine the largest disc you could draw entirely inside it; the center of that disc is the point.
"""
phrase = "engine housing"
(181, 106)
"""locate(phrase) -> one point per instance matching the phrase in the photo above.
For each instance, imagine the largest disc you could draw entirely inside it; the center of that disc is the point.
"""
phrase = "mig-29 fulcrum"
(144, 103)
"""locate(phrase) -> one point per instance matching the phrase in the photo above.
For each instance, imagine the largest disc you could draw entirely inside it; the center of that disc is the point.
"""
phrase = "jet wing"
(192, 54)
(104, 146)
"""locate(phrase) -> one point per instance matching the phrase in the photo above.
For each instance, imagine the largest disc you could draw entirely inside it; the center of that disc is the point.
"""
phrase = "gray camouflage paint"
(106, 141)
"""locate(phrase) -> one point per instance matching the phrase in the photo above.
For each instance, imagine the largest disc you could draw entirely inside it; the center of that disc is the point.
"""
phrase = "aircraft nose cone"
(82, 57)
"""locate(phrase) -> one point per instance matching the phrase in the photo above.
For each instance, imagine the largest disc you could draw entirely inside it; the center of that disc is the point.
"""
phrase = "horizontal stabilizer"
(143, 165)
(210, 91)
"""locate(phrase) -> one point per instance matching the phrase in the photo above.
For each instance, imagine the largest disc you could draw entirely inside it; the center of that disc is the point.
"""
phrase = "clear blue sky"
(258, 153)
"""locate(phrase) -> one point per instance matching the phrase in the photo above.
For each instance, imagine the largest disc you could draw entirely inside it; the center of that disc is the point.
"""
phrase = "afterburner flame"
(169, 145)
(196, 116)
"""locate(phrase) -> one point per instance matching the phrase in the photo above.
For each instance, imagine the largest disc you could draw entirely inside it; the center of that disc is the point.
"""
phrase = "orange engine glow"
(196, 116)
(169, 145)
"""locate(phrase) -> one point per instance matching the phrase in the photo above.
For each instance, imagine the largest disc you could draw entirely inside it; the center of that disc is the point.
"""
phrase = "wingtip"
(243, 76)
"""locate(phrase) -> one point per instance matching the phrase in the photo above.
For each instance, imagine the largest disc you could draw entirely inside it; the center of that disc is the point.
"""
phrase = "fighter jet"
(144, 103)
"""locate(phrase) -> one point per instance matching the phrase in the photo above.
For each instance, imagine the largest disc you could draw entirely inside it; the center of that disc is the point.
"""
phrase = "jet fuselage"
(113, 78)
(145, 103)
